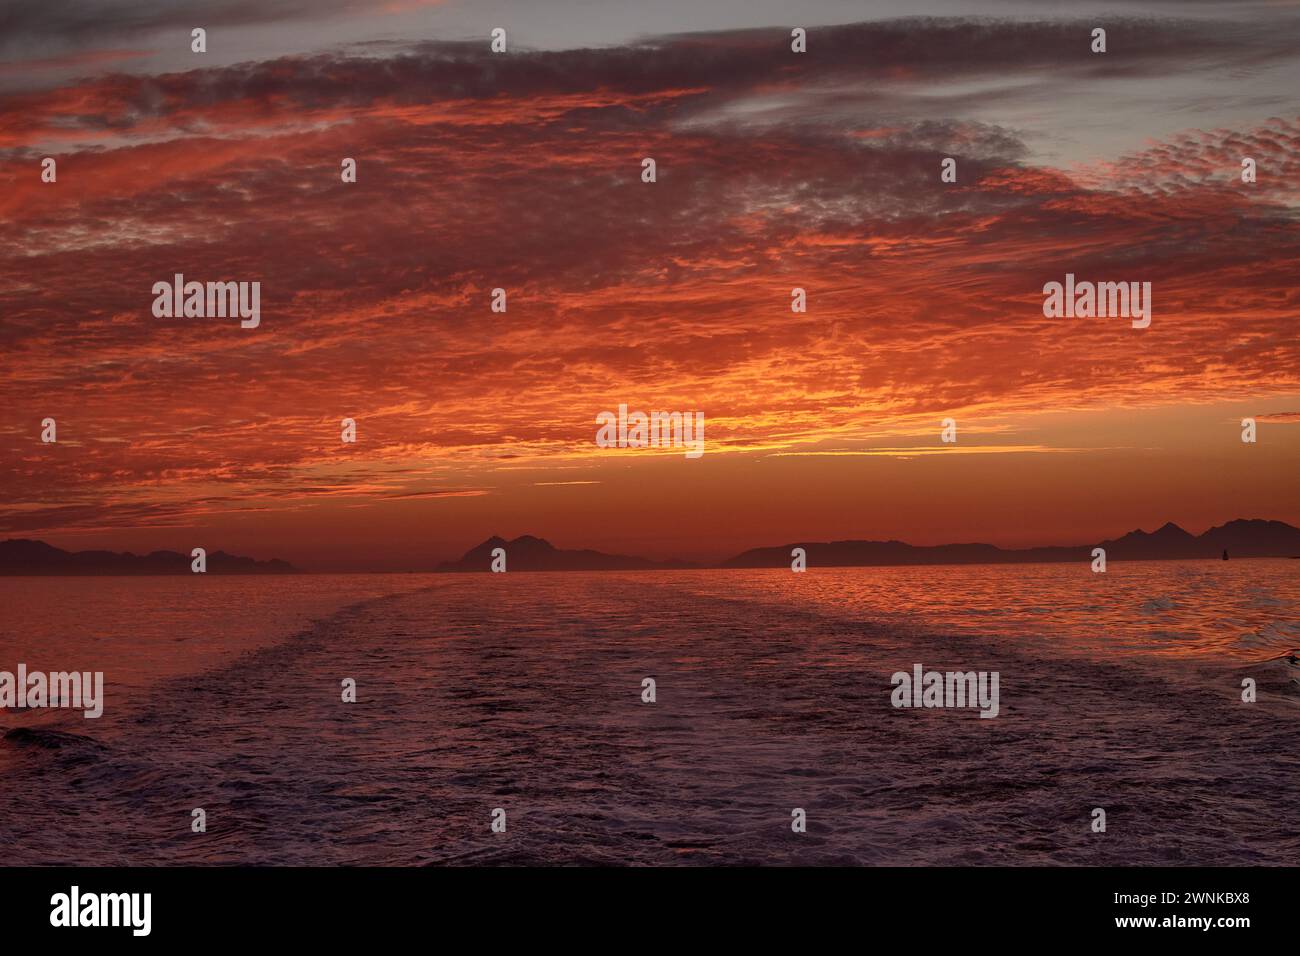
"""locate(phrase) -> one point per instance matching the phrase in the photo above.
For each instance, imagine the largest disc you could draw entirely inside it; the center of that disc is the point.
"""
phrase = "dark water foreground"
(524, 693)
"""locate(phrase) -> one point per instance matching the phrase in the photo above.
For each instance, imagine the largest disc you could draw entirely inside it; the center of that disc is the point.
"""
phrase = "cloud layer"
(522, 172)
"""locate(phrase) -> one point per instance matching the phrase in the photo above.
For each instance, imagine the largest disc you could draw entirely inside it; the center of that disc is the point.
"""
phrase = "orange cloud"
(924, 300)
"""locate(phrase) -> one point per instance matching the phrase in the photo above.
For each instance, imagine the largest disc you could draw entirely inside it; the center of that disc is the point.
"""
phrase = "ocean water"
(523, 692)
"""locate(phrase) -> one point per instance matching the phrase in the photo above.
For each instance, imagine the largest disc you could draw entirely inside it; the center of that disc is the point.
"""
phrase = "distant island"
(1241, 538)
(24, 556)
(528, 553)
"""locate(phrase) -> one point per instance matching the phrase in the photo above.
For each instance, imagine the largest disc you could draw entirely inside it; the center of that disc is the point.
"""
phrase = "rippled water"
(141, 630)
(1247, 610)
(523, 691)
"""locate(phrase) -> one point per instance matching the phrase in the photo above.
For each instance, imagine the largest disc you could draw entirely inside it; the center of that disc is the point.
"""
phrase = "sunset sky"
(523, 171)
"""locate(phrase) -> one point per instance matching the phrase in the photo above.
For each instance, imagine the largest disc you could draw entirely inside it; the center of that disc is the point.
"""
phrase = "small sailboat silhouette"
(1225, 554)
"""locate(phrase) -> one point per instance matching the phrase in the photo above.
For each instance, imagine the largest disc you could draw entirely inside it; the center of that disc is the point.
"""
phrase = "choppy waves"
(523, 692)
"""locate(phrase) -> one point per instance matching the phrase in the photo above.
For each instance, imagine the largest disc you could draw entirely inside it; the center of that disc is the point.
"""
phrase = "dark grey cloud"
(29, 29)
(849, 68)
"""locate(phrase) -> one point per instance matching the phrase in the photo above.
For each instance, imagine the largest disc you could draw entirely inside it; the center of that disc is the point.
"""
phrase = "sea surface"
(523, 692)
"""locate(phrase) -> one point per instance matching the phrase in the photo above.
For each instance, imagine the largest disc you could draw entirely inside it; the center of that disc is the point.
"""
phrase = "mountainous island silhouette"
(1242, 538)
(25, 556)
